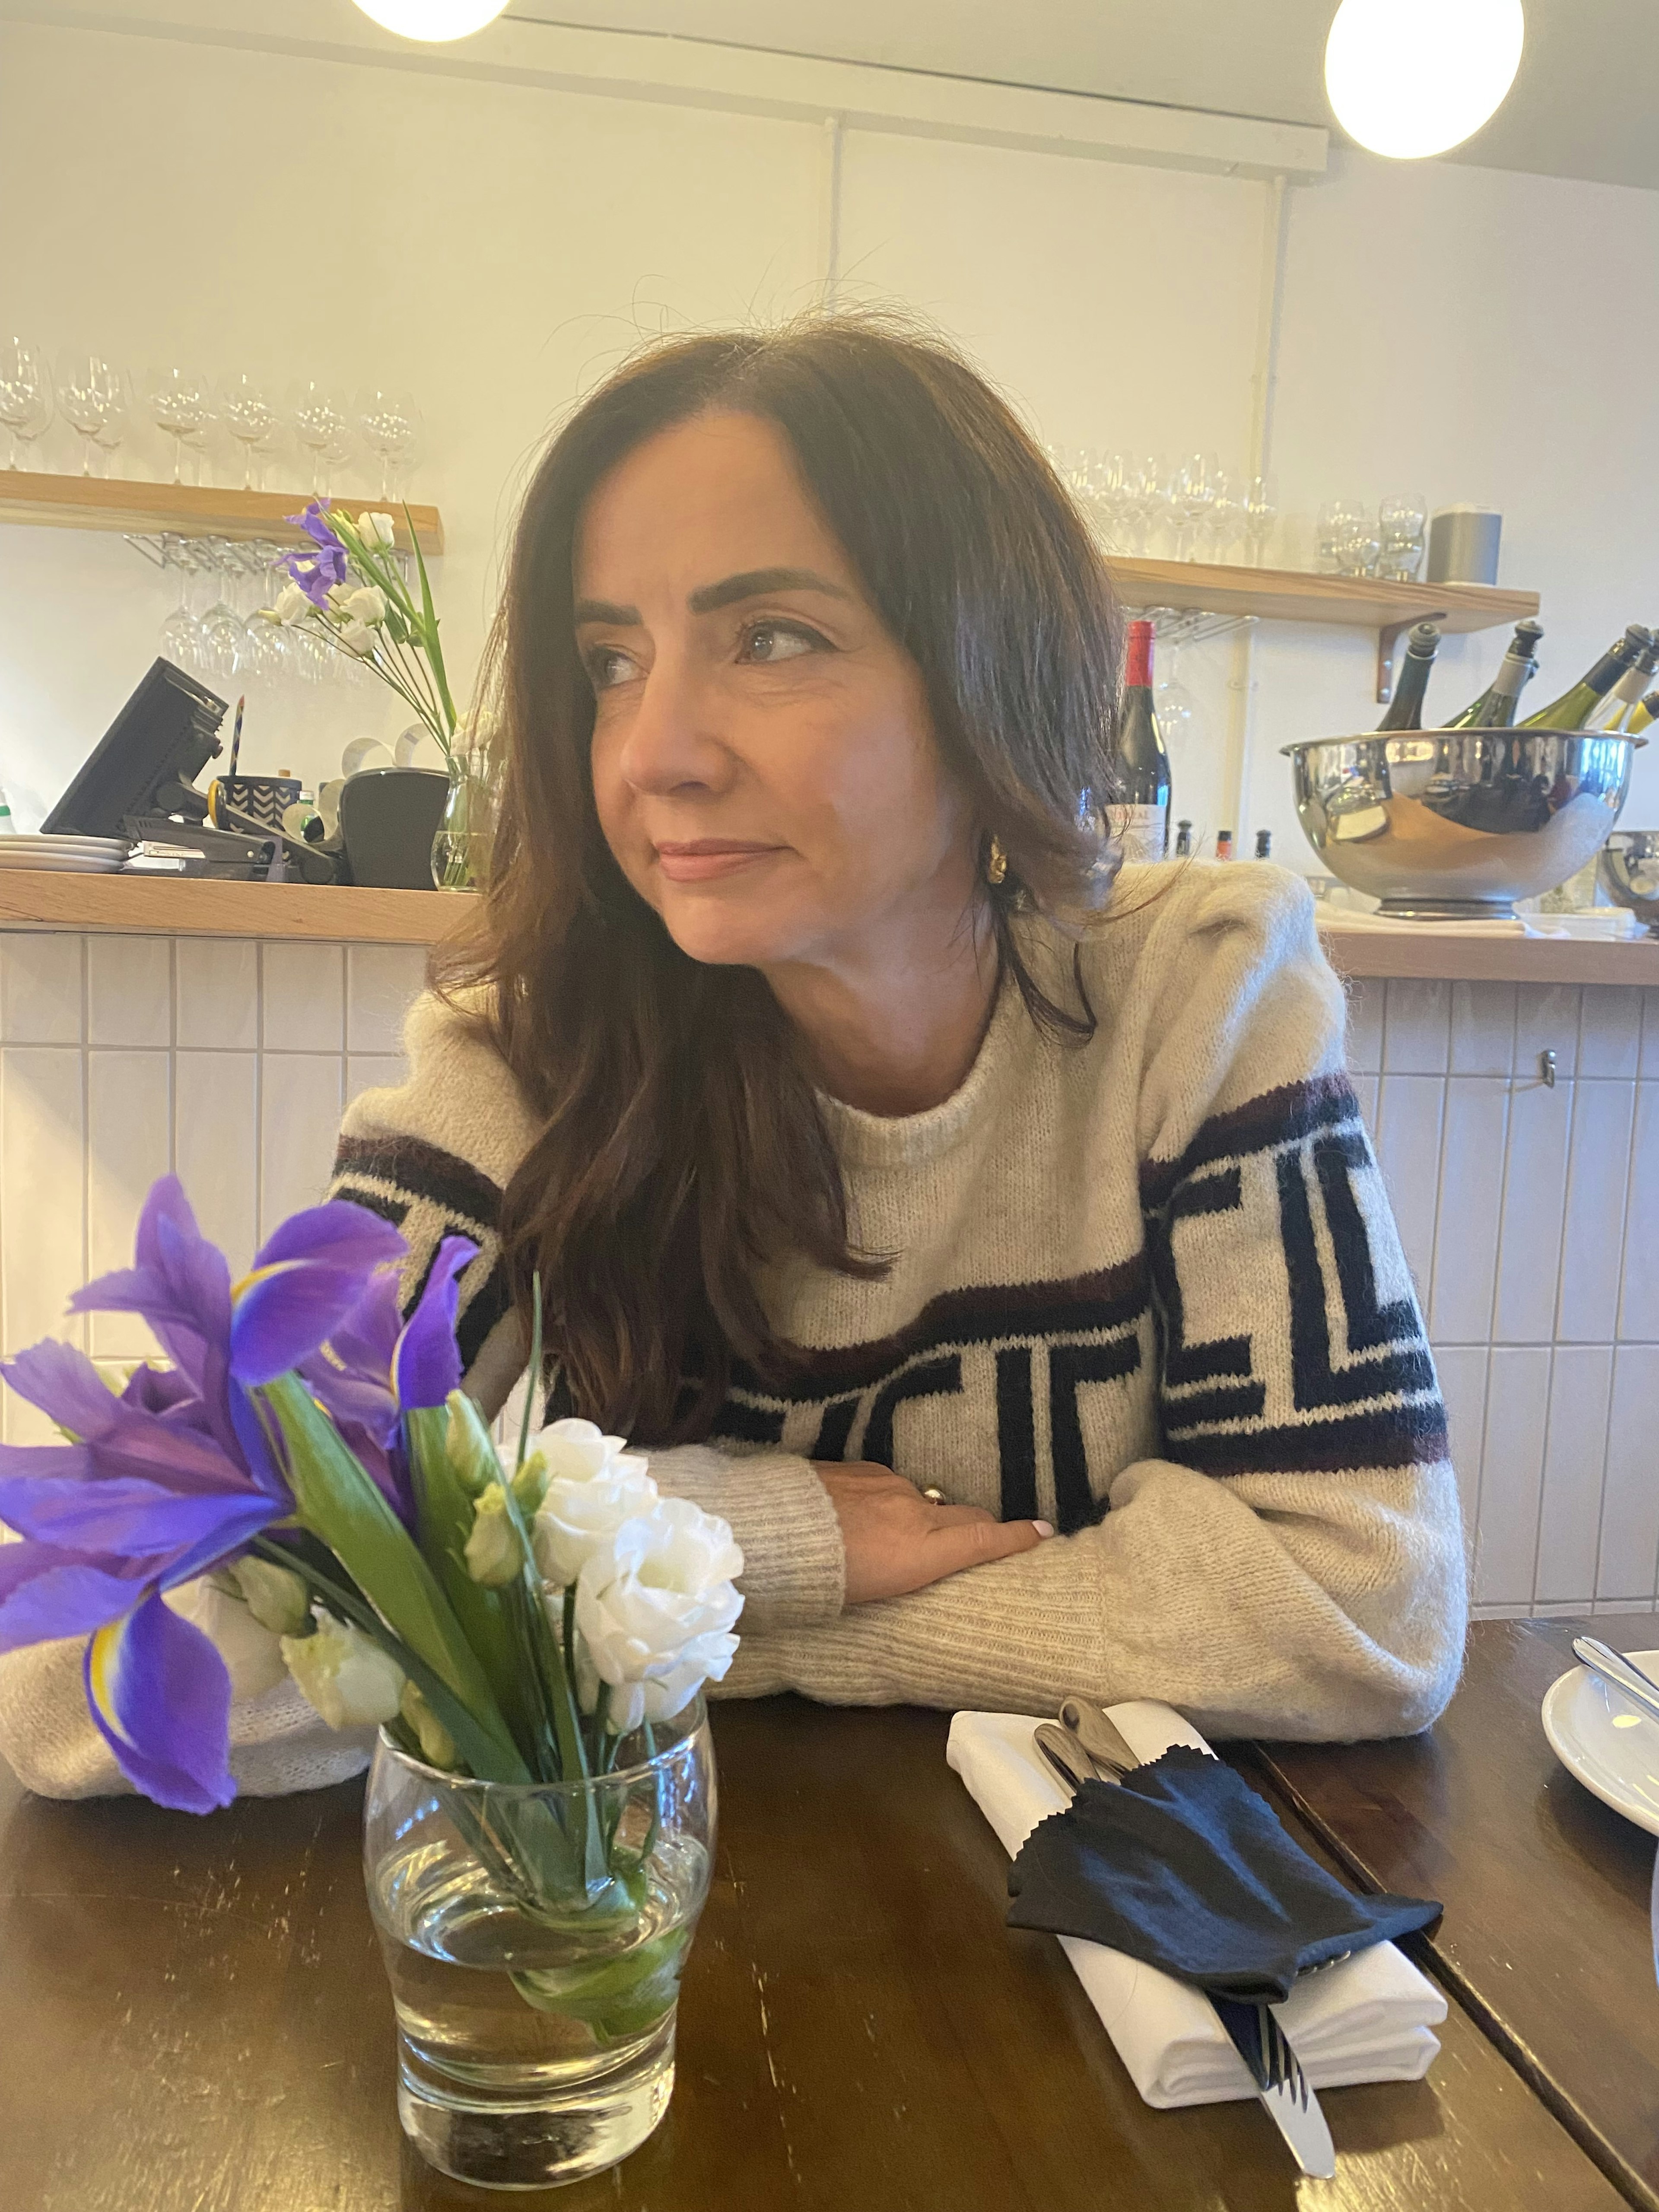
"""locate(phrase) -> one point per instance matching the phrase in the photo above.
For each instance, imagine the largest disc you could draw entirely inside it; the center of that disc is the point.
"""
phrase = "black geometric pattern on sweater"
(1388, 1376)
(393, 1176)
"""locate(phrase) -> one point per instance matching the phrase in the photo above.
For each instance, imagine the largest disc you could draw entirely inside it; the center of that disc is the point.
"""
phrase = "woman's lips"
(705, 857)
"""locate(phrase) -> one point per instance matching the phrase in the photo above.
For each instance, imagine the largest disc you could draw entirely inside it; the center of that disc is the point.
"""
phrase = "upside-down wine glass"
(25, 394)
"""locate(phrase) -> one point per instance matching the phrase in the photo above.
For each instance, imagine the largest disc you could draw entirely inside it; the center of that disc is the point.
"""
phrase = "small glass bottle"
(1183, 841)
(1264, 844)
(1224, 844)
(8, 827)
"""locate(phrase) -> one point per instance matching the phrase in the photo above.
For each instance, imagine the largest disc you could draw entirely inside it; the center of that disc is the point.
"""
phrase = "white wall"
(1479, 334)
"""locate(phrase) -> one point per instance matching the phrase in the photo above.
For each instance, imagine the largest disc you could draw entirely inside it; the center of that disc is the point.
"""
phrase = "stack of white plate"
(66, 856)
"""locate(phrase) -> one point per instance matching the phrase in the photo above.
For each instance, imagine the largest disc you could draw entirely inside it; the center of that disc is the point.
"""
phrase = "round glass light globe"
(1409, 78)
(433, 21)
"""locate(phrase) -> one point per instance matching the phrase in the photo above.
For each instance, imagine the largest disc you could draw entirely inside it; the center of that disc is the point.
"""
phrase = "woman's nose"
(669, 742)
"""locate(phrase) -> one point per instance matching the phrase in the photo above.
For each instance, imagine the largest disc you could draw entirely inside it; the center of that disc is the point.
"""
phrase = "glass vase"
(534, 1936)
(460, 850)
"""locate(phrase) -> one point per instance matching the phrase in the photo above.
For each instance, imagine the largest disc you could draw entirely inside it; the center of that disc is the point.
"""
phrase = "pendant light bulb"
(1409, 78)
(433, 21)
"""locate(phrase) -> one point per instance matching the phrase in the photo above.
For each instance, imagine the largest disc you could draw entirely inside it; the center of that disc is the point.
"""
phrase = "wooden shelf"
(1442, 955)
(185, 510)
(136, 906)
(184, 906)
(1295, 595)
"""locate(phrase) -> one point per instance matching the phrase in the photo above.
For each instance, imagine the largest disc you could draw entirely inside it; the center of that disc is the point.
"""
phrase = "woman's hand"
(897, 1541)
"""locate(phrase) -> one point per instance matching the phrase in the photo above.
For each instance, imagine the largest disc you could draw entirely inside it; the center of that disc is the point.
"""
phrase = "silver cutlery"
(1613, 1667)
(1086, 1746)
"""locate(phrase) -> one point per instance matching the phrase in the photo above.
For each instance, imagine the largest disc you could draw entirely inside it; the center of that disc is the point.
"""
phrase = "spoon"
(1071, 1765)
(1103, 1743)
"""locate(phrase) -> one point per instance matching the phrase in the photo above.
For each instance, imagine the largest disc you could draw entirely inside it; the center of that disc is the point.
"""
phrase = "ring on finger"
(935, 1495)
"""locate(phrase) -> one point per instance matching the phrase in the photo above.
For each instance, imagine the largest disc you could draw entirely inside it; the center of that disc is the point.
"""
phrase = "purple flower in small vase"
(173, 1477)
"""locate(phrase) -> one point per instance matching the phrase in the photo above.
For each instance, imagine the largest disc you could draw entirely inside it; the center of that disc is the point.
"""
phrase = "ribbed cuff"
(795, 1569)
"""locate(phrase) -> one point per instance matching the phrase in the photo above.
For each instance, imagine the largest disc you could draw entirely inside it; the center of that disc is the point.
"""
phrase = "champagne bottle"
(1495, 708)
(1405, 708)
(1574, 708)
(1641, 716)
(1625, 694)
(1142, 763)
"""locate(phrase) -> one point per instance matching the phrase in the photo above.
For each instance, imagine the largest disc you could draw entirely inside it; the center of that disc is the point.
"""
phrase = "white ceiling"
(1585, 103)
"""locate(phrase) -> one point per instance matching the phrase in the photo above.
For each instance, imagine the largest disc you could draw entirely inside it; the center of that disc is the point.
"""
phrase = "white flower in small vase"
(357, 637)
(292, 606)
(377, 529)
(593, 1486)
(366, 604)
(344, 1673)
(655, 1608)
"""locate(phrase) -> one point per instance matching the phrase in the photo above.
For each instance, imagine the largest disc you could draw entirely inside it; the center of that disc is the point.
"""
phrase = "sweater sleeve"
(434, 1156)
(1290, 1561)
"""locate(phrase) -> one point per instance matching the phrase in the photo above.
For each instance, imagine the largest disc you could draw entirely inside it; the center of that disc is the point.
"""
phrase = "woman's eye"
(609, 666)
(769, 642)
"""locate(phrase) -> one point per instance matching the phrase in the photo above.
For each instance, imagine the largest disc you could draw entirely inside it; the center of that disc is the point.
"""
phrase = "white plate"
(23, 842)
(1607, 1740)
(66, 864)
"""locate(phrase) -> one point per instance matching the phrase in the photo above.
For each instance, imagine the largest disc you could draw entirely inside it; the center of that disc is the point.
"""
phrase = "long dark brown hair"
(683, 1146)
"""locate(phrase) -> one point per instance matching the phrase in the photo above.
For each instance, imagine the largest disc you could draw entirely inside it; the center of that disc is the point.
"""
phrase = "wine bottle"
(1142, 763)
(1625, 694)
(1264, 844)
(1495, 708)
(1405, 708)
(1574, 708)
(1642, 715)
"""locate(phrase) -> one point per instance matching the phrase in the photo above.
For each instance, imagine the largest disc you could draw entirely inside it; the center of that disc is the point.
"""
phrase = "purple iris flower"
(172, 1477)
(325, 562)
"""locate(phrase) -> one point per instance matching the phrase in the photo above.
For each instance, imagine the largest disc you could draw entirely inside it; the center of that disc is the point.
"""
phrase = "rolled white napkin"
(1369, 2017)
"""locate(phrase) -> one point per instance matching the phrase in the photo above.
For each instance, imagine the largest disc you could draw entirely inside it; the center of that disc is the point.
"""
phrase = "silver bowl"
(1629, 869)
(1457, 825)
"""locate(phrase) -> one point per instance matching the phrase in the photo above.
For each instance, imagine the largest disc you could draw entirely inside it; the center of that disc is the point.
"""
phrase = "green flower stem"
(335, 1498)
(434, 651)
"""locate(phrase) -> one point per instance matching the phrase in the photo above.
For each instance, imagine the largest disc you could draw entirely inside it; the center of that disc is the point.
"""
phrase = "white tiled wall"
(1530, 1217)
(123, 1057)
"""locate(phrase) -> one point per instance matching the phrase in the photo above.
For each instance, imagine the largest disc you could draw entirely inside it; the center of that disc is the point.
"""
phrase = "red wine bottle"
(1143, 762)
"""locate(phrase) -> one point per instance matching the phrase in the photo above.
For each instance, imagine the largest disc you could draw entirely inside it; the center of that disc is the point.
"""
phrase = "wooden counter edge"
(199, 907)
(195, 907)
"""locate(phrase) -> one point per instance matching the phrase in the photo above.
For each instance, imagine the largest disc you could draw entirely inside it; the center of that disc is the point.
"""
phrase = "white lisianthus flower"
(274, 1595)
(654, 1610)
(338, 594)
(357, 637)
(366, 604)
(377, 529)
(292, 606)
(593, 1488)
(344, 1673)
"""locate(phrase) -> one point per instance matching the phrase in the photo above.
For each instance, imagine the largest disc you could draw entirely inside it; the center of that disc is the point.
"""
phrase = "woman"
(994, 1242)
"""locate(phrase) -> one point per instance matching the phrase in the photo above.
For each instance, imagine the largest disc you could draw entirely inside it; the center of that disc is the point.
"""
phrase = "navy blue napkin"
(1185, 1867)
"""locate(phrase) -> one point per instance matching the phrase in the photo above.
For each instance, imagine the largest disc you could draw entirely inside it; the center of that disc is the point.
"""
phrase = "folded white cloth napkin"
(1369, 2017)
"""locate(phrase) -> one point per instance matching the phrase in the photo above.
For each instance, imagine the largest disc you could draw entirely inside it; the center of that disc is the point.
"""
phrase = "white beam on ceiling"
(738, 80)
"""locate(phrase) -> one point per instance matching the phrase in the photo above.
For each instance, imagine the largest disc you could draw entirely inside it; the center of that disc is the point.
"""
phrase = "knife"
(1613, 1667)
(1281, 2087)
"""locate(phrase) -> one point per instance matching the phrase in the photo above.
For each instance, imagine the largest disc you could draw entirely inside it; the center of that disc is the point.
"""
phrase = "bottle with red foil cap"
(1143, 762)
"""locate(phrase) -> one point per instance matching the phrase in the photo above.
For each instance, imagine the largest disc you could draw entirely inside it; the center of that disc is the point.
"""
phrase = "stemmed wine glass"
(1172, 702)
(1261, 512)
(180, 641)
(390, 422)
(180, 402)
(1192, 494)
(249, 413)
(1224, 524)
(25, 394)
(92, 395)
(321, 421)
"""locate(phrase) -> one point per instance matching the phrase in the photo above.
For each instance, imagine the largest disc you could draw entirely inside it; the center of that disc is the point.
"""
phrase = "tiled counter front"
(225, 1059)
(1530, 1215)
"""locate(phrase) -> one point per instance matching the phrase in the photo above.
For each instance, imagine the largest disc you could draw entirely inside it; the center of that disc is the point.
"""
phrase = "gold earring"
(996, 863)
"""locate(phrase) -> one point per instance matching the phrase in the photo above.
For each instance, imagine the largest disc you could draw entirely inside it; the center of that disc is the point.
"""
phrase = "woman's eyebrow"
(752, 584)
(755, 583)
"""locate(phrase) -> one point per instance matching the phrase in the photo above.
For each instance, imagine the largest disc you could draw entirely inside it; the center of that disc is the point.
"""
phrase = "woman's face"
(763, 760)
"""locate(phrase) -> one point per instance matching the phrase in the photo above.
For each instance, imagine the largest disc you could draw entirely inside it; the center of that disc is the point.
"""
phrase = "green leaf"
(434, 652)
(338, 1501)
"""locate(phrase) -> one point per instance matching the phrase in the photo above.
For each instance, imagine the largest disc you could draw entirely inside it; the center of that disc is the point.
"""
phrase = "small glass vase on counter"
(460, 851)
(534, 1936)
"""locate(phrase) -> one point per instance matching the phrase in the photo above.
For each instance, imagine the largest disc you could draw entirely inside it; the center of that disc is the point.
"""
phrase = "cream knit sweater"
(1147, 1287)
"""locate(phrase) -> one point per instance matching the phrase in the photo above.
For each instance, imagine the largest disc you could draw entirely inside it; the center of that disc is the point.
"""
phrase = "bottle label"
(1143, 831)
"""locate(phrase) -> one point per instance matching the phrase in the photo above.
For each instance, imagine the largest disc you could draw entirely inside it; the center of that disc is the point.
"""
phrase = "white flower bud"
(494, 1555)
(366, 604)
(437, 1745)
(274, 1595)
(292, 606)
(344, 1673)
(357, 637)
(377, 529)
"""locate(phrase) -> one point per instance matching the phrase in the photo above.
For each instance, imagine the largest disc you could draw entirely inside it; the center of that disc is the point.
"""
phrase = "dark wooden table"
(1546, 1939)
(193, 2018)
